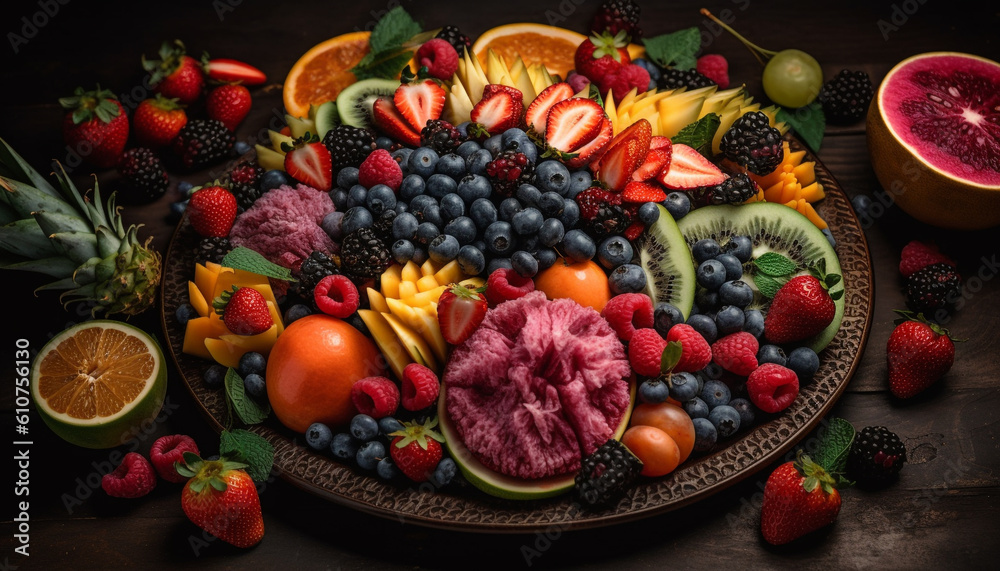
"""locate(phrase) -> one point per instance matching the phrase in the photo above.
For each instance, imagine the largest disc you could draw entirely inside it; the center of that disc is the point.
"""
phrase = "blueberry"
(729, 319)
(463, 128)
(578, 246)
(184, 187)
(614, 251)
(551, 232)
(380, 198)
(712, 371)
(715, 393)
(346, 178)
(707, 300)
(552, 176)
(357, 195)
(419, 255)
(500, 239)
(650, 67)
(649, 213)
(527, 221)
(401, 207)
(829, 237)
(440, 185)
(318, 436)
(494, 144)
(404, 226)
(463, 229)
(386, 469)
(387, 425)
(477, 161)
(363, 427)
(479, 245)
(343, 446)
(273, 179)
(383, 142)
(579, 181)
(734, 269)
(705, 249)
(422, 161)
(426, 232)
(696, 408)
(705, 325)
(452, 206)
(862, 205)
(736, 292)
(473, 187)
(515, 139)
(402, 156)
(369, 454)
(177, 210)
(444, 473)
(432, 214)
(466, 149)
(653, 391)
(508, 208)
(546, 257)
(683, 386)
(471, 260)
(529, 243)
(254, 386)
(725, 419)
(705, 434)
(524, 263)
(771, 354)
(528, 194)
(804, 361)
(711, 274)
(678, 204)
(296, 312)
(497, 263)
(451, 165)
(332, 224)
(420, 203)
(443, 248)
(339, 198)
(741, 247)
(185, 312)
(215, 377)
(252, 362)
(627, 278)
(483, 213)
(413, 185)
(745, 410)
(551, 204)
(570, 214)
(402, 251)
(665, 316)
(753, 322)
(355, 219)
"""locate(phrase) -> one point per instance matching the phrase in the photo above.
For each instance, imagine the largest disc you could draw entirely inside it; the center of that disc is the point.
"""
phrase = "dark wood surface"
(943, 512)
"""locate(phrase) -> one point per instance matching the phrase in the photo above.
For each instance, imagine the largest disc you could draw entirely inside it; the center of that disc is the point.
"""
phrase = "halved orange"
(322, 72)
(550, 46)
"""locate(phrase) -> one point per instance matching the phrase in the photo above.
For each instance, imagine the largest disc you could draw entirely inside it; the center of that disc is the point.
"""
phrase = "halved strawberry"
(659, 142)
(310, 163)
(497, 112)
(538, 110)
(573, 123)
(592, 149)
(640, 192)
(491, 89)
(626, 152)
(460, 311)
(689, 169)
(388, 120)
(656, 161)
(420, 102)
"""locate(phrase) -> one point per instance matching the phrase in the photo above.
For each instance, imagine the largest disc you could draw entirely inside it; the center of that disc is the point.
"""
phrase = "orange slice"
(322, 72)
(550, 46)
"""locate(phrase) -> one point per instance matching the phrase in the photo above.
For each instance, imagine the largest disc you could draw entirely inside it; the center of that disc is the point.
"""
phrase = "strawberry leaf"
(246, 408)
(241, 258)
(699, 135)
(595, 94)
(767, 285)
(775, 265)
(809, 122)
(250, 449)
(676, 49)
(835, 440)
(670, 357)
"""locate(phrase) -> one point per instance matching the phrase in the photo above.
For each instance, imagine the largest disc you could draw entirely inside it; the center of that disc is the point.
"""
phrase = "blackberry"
(606, 474)
(441, 136)
(212, 249)
(202, 142)
(611, 220)
(143, 176)
(364, 255)
(348, 146)
(752, 143)
(876, 456)
(508, 171)
(736, 189)
(845, 98)
(456, 38)
(313, 269)
(383, 226)
(244, 182)
(673, 78)
(618, 15)
(933, 287)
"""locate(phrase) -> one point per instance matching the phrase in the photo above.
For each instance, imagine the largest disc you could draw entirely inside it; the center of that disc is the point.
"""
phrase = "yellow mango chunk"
(407, 289)
(260, 343)
(197, 331)
(224, 352)
(410, 272)
(414, 344)
(205, 279)
(197, 300)
(389, 280)
(386, 340)
(427, 283)
(377, 301)
(449, 273)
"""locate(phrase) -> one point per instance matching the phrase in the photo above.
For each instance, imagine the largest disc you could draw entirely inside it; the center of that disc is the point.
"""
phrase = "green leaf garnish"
(670, 357)
(676, 49)
(834, 443)
(241, 258)
(250, 449)
(775, 265)
(809, 122)
(767, 285)
(246, 408)
(389, 46)
(699, 135)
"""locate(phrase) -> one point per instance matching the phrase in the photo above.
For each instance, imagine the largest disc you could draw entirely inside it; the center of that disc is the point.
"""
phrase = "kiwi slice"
(772, 228)
(667, 261)
(326, 118)
(354, 104)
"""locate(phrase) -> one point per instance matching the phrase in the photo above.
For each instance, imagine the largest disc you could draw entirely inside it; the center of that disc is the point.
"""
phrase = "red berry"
(736, 353)
(169, 449)
(212, 211)
(627, 312)
(378, 397)
(380, 168)
(229, 104)
(645, 352)
(695, 352)
(623, 79)
(506, 284)
(772, 387)
(439, 57)
(337, 295)
(918, 255)
(714, 67)
(133, 478)
(420, 387)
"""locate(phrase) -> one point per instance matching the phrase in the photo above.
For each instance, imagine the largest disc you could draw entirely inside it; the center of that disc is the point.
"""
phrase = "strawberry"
(232, 71)
(538, 110)
(802, 307)
(497, 111)
(460, 311)
(634, 230)
(244, 311)
(918, 354)
(573, 123)
(228, 103)
(657, 160)
(157, 121)
(388, 120)
(416, 449)
(592, 150)
(918, 255)
(221, 499)
(308, 161)
(599, 55)
(659, 142)
(799, 497)
(95, 126)
(625, 153)
(419, 102)
(640, 192)
(688, 169)
(175, 74)
(212, 211)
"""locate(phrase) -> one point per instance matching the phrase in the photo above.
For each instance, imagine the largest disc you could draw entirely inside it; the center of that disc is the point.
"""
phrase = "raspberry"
(714, 67)
(337, 295)
(918, 255)
(380, 168)
(169, 449)
(378, 397)
(645, 351)
(695, 354)
(628, 311)
(439, 57)
(772, 387)
(133, 478)
(420, 387)
(623, 79)
(736, 353)
(505, 284)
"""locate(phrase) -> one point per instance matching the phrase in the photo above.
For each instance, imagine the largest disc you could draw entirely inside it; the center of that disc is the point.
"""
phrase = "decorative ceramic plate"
(467, 509)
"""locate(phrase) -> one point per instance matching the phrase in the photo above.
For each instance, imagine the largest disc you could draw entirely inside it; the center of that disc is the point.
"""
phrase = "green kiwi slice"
(667, 261)
(354, 104)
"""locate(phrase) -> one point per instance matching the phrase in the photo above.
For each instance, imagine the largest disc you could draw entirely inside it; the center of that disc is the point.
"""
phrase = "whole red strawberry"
(228, 103)
(601, 54)
(803, 307)
(416, 449)
(157, 121)
(221, 499)
(918, 353)
(175, 74)
(212, 211)
(799, 497)
(244, 311)
(96, 126)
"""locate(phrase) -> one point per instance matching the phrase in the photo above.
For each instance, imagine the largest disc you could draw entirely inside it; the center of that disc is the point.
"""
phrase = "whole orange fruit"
(658, 451)
(584, 282)
(312, 367)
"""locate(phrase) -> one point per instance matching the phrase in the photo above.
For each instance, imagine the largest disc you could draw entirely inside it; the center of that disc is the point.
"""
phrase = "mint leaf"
(390, 45)
(246, 409)
(393, 30)
(241, 258)
(676, 49)
(670, 357)
(250, 449)
(774, 265)
(595, 94)
(767, 285)
(385, 65)
(809, 122)
(699, 135)
(834, 443)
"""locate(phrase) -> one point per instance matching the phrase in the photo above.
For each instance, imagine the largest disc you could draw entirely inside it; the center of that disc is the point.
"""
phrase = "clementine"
(584, 282)
(323, 71)
(669, 418)
(312, 367)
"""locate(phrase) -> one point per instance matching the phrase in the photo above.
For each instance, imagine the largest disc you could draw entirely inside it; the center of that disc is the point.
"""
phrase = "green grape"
(792, 78)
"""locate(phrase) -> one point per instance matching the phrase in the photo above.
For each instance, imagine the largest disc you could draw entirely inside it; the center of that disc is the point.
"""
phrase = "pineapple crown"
(86, 105)
(206, 473)
(171, 56)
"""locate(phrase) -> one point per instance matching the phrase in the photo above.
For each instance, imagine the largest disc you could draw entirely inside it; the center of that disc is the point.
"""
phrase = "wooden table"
(942, 513)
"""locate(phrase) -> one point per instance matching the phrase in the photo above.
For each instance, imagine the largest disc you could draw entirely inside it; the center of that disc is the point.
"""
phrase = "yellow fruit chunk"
(812, 193)
(428, 326)
(403, 312)
(269, 158)
(197, 331)
(407, 289)
(428, 268)
(197, 300)
(205, 279)
(224, 352)
(390, 346)
(427, 283)
(390, 279)
(377, 301)
(276, 317)
(414, 344)
(410, 272)
(260, 343)
(473, 283)
(807, 209)
(424, 298)
(450, 273)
